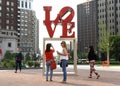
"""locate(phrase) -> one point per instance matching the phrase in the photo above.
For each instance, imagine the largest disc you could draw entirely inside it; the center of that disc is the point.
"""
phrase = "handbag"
(53, 65)
(61, 64)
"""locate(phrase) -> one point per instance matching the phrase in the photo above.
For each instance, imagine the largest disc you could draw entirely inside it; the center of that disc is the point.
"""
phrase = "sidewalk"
(33, 77)
(98, 67)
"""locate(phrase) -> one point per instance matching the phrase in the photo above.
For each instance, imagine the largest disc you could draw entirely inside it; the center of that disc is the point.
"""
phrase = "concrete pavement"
(34, 77)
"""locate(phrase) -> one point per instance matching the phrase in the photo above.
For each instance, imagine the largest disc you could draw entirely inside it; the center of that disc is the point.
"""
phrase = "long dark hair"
(91, 49)
(48, 47)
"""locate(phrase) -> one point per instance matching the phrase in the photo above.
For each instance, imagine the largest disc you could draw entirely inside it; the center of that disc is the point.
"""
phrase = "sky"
(57, 5)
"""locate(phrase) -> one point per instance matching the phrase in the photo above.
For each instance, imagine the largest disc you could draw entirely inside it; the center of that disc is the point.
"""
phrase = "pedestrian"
(64, 59)
(92, 57)
(49, 58)
(18, 60)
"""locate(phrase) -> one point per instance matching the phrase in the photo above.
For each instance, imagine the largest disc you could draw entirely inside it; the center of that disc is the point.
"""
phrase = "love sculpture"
(64, 22)
(67, 32)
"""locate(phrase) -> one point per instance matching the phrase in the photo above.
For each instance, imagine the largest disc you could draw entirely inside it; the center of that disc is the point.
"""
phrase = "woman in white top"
(64, 59)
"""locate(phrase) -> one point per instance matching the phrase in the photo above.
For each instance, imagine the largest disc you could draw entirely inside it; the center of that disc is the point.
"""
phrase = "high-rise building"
(8, 25)
(109, 16)
(27, 27)
(19, 27)
(87, 25)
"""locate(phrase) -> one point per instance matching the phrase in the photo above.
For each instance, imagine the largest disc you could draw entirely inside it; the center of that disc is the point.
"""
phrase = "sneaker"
(15, 71)
(90, 77)
(64, 82)
(51, 80)
(98, 76)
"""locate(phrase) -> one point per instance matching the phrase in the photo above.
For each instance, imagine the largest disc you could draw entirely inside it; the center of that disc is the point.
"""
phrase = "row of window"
(25, 45)
(108, 2)
(24, 4)
(8, 9)
(8, 3)
(8, 27)
(110, 9)
(9, 33)
(111, 15)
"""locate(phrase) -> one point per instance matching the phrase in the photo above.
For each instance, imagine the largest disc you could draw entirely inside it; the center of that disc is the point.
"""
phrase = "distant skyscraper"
(87, 25)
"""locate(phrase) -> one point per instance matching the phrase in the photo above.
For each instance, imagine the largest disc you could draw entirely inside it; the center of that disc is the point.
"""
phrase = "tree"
(103, 42)
(115, 47)
(8, 55)
(27, 57)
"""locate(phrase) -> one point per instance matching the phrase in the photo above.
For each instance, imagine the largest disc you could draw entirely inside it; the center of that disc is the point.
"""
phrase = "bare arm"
(64, 52)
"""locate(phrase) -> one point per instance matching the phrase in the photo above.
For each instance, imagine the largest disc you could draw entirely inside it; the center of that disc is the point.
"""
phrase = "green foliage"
(37, 64)
(82, 55)
(9, 56)
(33, 64)
(103, 41)
(71, 54)
(8, 60)
(30, 63)
(27, 57)
(115, 47)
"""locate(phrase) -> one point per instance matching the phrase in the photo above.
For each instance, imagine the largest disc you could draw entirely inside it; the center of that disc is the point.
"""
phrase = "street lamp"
(108, 59)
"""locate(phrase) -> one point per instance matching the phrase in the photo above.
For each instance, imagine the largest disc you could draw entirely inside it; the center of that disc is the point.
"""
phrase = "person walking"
(64, 60)
(92, 57)
(49, 58)
(18, 60)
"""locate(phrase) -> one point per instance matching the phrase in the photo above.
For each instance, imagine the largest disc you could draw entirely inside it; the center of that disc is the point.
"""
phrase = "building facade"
(28, 27)
(8, 25)
(87, 25)
(19, 27)
(109, 17)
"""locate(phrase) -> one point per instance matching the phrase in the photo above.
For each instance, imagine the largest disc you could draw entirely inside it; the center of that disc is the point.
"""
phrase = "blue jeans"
(64, 62)
(17, 64)
(47, 70)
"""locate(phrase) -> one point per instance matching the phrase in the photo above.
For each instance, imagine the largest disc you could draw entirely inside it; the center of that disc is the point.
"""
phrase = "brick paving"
(34, 77)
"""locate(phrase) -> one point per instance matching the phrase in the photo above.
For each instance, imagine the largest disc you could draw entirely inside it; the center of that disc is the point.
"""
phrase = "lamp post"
(108, 59)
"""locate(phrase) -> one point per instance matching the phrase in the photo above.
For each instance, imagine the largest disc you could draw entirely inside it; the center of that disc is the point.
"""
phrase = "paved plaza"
(110, 76)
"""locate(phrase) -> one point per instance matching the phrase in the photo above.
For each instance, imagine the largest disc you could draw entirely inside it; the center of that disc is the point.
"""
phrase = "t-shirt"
(49, 55)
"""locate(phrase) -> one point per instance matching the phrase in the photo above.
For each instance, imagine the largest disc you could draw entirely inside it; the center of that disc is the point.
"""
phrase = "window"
(12, 21)
(18, 3)
(0, 1)
(22, 4)
(7, 27)
(12, 4)
(12, 9)
(25, 4)
(7, 21)
(8, 9)
(12, 27)
(9, 44)
(7, 15)
(0, 14)
(0, 8)
(29, 5)
(12, 16)
(7, 3)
